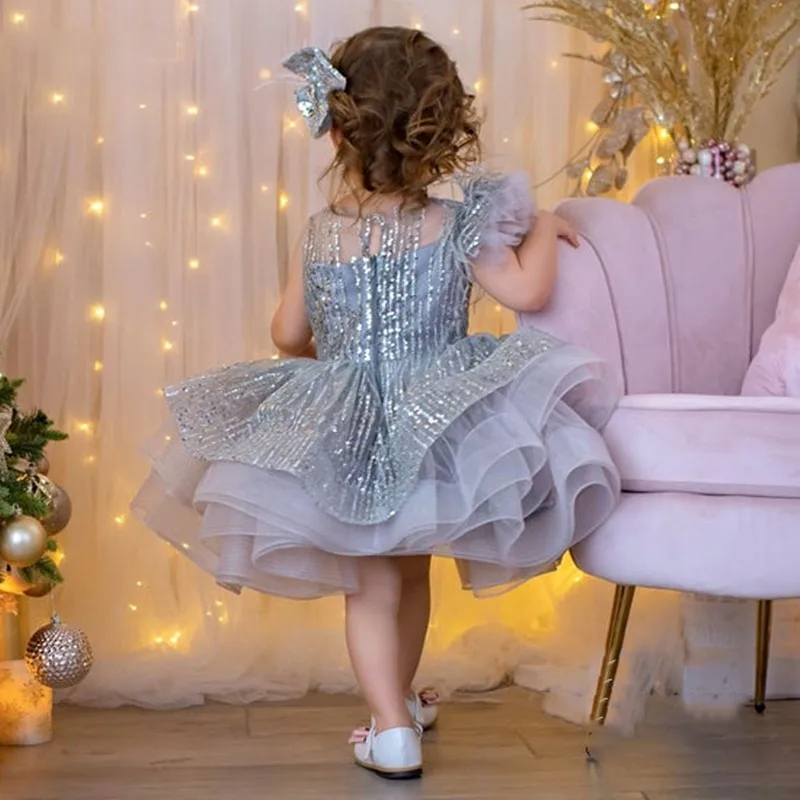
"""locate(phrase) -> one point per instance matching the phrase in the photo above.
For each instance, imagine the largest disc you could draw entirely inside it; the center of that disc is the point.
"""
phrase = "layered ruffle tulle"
(493, 458)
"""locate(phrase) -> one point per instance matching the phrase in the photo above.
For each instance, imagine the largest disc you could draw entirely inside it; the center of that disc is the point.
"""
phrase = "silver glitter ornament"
(59, 656)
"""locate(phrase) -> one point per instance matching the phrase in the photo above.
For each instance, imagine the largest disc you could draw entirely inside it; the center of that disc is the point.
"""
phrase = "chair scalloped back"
(676, 289)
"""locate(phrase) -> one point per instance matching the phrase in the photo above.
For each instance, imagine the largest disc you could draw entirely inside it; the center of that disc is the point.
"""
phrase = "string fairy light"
(163, 305)
(192, 110)
(283, 201)
(265, 74)
(201, 171)
(97, 312)
(18, 18)
(96, 207)
(167, 346)
(57, 98)
(98, 366)
(194, 263)
(217, 222)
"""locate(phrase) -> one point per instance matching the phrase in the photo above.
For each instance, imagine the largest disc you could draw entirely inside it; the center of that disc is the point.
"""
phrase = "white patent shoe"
(423, 708)
(395, 754)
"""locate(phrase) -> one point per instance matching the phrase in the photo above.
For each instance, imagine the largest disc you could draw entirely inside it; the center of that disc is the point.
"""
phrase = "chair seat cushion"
(746, 547)
(739, 446)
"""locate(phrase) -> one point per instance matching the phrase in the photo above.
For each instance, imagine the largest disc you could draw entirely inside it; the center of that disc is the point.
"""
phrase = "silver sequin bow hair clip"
(313, 65)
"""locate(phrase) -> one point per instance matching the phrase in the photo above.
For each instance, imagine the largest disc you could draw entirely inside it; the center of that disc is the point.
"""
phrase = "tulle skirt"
(519, 475)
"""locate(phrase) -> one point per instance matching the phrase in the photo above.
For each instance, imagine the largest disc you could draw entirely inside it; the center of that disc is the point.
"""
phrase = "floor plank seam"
(526, 744)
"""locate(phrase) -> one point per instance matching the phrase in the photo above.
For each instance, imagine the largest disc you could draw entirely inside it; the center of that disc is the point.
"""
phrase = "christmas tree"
(33, 509)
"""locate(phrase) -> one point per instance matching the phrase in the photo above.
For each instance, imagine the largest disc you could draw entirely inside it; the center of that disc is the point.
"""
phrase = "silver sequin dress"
(405, 436)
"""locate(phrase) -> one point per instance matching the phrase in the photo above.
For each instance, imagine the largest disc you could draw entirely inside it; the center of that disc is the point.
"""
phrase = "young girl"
(400, 436)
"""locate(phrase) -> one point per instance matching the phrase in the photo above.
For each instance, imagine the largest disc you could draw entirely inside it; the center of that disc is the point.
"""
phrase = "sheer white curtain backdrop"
(150, 194)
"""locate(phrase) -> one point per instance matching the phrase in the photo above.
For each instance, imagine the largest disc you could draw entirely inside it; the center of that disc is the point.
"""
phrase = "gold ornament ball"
(41, 589)
(43, 467)
(23, 541)
(59, 656)
(60, 511)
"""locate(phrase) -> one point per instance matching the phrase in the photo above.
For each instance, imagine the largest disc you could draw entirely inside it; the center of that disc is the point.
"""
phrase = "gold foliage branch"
(699, 66)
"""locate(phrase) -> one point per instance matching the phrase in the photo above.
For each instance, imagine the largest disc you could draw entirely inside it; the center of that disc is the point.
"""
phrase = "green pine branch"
(27, 438)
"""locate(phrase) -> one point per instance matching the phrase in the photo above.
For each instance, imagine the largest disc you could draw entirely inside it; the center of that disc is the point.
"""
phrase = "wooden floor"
(489, 747)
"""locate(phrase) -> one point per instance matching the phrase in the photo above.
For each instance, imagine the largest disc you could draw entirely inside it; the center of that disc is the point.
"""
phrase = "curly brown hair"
(405, 120)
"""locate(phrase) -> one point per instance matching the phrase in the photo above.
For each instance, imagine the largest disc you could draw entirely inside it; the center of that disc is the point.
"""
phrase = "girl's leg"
(373, 639)
(413, 615)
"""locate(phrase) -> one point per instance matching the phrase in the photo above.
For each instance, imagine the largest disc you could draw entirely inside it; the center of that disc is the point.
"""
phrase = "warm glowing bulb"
(143, 215)
(192, 8)
(96, 207)
(84, 427)
(159, 392)
(139, 584)
(133, 607)
(201, 172)
(216, 222)
(58, 257)
(663, 134)
(283, 201)
(159, 640)
(456, 31)
(185, 546)
(97, 313)
(661, 161)
(98, 366)
(265, 74)
(120, 519)
(167, 346)
(300, 8)
(18, 18)
(89, 460)
(554, 64)
(192, 111)
(57, 98)
(264, 188)
(100, 139)
(418, 26)
(167, 438)
(175, 638)
(506, 140)
(163, 305)
(478, 86)
(194, 263)
(592, 127)
(674, 6)
(189, 157)
(142, 106)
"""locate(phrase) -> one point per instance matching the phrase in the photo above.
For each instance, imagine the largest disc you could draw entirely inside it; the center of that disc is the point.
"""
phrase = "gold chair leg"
(763, 635)
(620, 614)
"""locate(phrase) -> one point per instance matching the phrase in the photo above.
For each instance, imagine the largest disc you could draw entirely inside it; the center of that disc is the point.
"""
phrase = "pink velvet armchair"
(675, 291)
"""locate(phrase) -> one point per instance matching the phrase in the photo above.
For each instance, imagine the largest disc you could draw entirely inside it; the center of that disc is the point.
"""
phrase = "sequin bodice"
(374, 294)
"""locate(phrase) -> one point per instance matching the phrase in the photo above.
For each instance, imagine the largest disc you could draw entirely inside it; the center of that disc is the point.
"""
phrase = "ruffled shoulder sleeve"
(497, 212)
